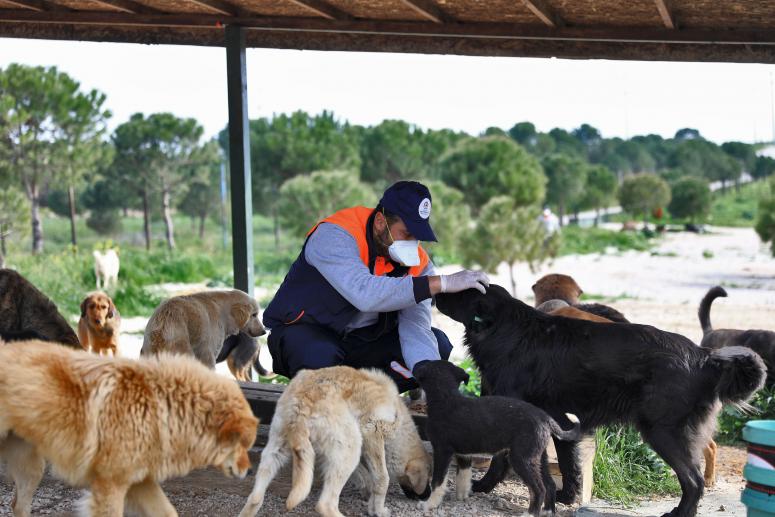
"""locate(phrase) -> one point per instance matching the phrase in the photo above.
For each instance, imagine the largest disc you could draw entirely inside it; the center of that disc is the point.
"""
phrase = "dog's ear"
(534, 287)
(482, 318)
(240, 312)
(461, 375)
(84, 303)
(111, 308)
(417, 472)
(238, 428)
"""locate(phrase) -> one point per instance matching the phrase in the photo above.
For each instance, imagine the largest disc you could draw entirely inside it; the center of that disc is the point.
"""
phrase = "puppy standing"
(106, 267)
(345, 416)
(198, 324)
(118, 426)
(99, 325)
(464, 425)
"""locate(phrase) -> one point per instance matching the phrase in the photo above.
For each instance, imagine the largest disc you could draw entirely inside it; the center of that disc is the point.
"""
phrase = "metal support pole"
(239, 160)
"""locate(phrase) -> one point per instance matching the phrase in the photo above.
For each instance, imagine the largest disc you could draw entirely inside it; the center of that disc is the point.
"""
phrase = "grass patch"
(626, 469)
(577, 240)
(737, 208)
(588, 297)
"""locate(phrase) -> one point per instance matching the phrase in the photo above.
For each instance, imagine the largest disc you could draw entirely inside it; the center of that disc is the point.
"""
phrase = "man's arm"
(334, 252)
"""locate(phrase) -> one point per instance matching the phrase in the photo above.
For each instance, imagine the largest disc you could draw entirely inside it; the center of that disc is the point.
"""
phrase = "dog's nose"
(263, 331)
(98, 322)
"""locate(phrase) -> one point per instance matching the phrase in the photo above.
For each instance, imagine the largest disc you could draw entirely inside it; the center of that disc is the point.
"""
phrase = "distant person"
(359, 294)
(550, 221)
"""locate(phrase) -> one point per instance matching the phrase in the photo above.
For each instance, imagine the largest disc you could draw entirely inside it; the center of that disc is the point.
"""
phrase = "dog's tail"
(572, 435)
(704, 311)
(263, 372)
(742, 373)
(303, 465)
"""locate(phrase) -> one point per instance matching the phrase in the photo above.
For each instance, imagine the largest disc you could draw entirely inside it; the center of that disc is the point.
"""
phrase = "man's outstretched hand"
(462, 280)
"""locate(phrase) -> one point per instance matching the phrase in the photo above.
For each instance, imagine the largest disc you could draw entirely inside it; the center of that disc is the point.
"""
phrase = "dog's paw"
(564, 497)
(462, 495)
(425, 507)
(379, 512)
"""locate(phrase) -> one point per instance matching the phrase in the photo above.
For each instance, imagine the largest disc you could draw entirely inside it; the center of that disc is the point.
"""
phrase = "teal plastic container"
(758, 504)
(761, 432)
(759, 495)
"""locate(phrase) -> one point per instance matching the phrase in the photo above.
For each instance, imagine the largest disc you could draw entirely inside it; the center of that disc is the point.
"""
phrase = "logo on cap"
(425, 208)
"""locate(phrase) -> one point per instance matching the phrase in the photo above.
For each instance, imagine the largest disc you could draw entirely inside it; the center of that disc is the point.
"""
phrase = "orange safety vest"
(353, 221)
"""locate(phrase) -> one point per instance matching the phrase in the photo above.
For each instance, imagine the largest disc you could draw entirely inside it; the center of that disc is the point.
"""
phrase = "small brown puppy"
(99, 325)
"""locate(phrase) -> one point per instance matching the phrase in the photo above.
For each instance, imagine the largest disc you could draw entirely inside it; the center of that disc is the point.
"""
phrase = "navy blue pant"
(302, 346)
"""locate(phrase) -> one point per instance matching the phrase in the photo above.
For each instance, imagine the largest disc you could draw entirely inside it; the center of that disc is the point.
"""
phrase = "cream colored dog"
(345, 416)
(197, 324)
(118, 426)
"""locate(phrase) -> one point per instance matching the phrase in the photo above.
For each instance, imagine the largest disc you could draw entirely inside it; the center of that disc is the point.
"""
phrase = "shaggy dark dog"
(660, 382)
(464, 425)
(25, 311)
(760, 341)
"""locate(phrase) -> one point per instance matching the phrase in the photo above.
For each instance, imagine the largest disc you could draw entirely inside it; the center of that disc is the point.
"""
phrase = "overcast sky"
(621, 98)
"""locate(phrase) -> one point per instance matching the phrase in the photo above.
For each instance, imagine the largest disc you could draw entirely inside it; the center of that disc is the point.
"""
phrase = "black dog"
(464, 425)
(760, 341)
(660, 382)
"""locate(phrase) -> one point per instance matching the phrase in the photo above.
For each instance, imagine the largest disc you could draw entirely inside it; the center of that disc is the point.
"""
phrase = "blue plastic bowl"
(761, 432)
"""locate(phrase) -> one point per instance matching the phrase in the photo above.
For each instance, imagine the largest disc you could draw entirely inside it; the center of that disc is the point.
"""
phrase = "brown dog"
(118, 426)
(25, 312)
(198, 324)
(561, 308)
(557, 287)
(99, 324)
(563, 287)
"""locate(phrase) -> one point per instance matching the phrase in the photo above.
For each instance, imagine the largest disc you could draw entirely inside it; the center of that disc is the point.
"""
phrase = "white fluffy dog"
(106, 268)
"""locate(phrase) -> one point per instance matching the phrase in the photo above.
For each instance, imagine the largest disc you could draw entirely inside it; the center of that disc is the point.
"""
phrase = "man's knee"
(445, 345)
(304, 348)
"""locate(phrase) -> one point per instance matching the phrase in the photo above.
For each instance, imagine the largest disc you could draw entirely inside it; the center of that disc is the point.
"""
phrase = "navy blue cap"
(411, 201)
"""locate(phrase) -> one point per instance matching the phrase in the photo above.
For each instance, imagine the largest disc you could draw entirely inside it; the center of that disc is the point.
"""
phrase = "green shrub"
(107, 222)
(474, 386)
(731, 420)
(625, 468)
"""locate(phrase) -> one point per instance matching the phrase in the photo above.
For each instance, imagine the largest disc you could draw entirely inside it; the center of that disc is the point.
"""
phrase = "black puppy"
(465, 425)
(760, 341)
(660, 382)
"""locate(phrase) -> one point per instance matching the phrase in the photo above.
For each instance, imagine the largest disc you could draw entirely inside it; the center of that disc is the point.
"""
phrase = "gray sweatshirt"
(334, 252)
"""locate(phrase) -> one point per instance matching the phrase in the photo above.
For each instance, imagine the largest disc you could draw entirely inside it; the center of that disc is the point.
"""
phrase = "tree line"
(55, 151)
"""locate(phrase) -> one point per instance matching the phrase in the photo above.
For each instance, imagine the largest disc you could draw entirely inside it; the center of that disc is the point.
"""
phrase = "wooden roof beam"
(37, 5)
(323, 9)
(428, 10)
(129, 6)
(221, 7)
(545, 13)
(665, 14)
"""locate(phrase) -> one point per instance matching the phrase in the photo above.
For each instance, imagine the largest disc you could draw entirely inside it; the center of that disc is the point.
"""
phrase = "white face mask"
(405, 253)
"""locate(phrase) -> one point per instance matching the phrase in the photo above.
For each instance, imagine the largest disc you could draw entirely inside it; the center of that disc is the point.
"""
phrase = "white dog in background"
(106, 268)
